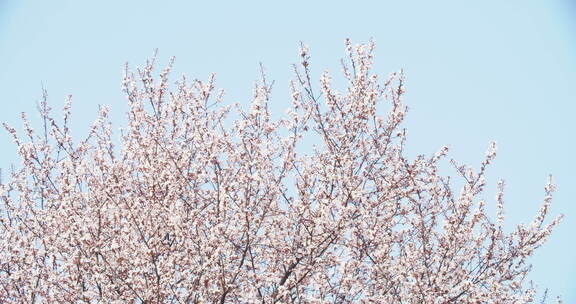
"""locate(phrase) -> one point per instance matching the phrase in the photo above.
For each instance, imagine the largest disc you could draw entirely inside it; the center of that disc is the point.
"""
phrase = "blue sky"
(476, 71)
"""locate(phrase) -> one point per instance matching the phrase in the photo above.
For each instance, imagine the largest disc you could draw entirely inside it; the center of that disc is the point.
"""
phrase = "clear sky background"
(476, 71)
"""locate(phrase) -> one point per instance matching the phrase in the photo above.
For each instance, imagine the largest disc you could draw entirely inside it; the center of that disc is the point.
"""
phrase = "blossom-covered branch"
(191, 208)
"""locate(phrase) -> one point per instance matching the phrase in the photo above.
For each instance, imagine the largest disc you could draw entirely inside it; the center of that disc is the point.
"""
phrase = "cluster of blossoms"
(191, 208)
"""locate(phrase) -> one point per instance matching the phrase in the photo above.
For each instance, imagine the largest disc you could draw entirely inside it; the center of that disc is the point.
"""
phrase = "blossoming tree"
(192, 208)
